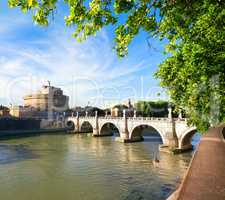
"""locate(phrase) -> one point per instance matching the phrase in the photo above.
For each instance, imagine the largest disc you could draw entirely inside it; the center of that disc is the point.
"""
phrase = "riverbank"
(205, 178)
(25, 133)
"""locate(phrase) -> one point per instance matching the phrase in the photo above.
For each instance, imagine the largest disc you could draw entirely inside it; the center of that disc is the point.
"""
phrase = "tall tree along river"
(78, 167)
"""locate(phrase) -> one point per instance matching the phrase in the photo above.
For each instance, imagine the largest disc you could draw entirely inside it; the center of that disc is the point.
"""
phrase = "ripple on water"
(85, 168)
(15, 153)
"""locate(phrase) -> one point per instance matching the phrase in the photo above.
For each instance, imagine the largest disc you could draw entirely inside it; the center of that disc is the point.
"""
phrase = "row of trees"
(156, 109)
(82, 111)
(143, 108)
(152, 108)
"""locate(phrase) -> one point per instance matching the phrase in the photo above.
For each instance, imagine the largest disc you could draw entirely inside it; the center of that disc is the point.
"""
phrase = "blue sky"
(87, 72)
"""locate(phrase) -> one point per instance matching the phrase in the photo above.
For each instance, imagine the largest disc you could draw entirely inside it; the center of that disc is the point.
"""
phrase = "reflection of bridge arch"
(187, 137)
(86, 127)
(110, 129)
(137, 132)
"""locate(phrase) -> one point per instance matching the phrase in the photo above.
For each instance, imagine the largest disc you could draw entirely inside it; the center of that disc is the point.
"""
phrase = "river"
(80, 167)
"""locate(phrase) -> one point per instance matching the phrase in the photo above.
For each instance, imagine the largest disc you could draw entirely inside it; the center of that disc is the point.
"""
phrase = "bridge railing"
(88, 117)
(136, 118)
(148, 118)
(110, 117)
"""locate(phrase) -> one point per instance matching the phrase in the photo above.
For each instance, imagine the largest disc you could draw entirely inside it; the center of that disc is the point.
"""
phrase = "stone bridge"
(174, 132)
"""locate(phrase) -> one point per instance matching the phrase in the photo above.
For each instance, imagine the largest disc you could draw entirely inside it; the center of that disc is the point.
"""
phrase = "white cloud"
(84, 70)
(88, 71)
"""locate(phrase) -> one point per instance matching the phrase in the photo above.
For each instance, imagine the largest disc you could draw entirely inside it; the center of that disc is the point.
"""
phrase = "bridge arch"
(70, 125)
(86, 127)
(109, 129)
(185, 140)
(137, 132)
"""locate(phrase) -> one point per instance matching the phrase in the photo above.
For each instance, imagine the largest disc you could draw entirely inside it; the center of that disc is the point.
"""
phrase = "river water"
(80, 167)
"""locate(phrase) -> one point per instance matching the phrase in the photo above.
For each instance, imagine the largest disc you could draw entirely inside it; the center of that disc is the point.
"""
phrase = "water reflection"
(15, 153)
(86, 168)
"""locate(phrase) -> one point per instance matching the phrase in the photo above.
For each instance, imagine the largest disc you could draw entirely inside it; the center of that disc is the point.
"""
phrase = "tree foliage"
(152, 108)
(89, 16)
(193, 73)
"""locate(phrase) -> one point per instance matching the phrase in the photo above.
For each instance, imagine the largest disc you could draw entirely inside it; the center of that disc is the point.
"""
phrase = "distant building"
(21, 111)
(48, 98)
(4, 111)
(88, 110)
(117, 110)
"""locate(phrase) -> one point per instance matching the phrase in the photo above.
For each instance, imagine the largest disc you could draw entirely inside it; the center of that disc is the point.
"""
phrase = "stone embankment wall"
(7, 124)
(51, 124)
(205, 178)
(18, 127)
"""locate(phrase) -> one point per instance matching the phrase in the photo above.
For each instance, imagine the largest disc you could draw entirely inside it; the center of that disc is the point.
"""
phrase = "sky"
(90, 73)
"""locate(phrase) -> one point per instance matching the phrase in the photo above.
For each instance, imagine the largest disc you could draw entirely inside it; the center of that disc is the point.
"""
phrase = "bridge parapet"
(109, 117)
(184, 120)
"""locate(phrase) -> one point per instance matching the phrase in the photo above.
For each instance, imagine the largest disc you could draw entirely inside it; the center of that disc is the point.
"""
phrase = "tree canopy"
(194, 71)
(152, 108)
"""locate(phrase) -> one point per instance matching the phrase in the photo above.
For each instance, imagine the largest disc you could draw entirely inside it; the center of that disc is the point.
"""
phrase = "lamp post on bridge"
(124, 113)
(180, 114)
(170, 112)
(135, 114)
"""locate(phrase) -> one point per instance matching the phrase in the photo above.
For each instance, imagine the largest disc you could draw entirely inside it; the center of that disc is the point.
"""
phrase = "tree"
(194, 71)
(152, 108)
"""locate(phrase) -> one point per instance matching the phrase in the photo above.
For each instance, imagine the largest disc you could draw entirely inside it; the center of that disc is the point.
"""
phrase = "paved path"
(205, 179)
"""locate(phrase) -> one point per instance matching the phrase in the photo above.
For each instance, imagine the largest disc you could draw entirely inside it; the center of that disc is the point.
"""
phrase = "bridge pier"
(170, 143)
(77, 126)
(175, 149)
(125, 133)
(96, 127)
(187, 147)
(95, 133)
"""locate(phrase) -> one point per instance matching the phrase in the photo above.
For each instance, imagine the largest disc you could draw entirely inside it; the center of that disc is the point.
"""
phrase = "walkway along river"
(78, 167)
